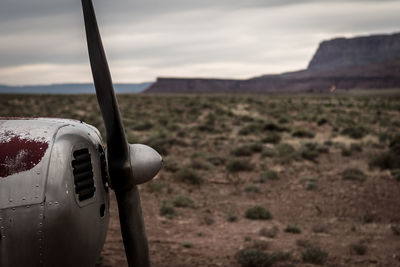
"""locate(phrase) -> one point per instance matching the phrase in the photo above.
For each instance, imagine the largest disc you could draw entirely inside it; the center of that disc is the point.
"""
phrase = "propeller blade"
(128, 165)
(117, 145)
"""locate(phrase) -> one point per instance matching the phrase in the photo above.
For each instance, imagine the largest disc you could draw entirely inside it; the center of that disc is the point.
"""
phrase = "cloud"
(43, 41)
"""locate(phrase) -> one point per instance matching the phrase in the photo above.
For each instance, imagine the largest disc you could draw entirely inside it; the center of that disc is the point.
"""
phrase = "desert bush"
(171, 164)
(283, 120)
(183, 202)
(358, 248)
(238, 165)
(354, 147)
(272, 138)
(186, 244)
(285, 153)
(251, 257)
(188, 176)
(258, 213)
(321, 121)
(200, 164)
(167, 211)
(268, 152)
(273, 127)
(354, 174)
(303, 133)
(368, 217)
(231, 216)
(355, 132)
(251, 128)
(155, 186)
(252, 188)
(314, 255)
(216, 160)
(270, 232)
(389, 159)
(268, 175)
(142, 126)
(294, 229)
(309, 151)
(396, 229)
(246, 150)
(346, 152)
(395, 174)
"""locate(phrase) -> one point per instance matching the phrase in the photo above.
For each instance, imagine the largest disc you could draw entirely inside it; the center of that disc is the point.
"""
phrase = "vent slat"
(87, 193)
(82, 167)
(84, 184)
(83, 174)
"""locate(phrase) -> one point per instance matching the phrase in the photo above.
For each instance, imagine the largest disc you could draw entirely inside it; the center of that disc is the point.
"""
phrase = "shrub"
(354, 174)
(155, 186)
(187, 244)
(268, 152)
(171, 164)
(252, 257)
(252, 188)
(286, 153)
(389, 159)
(167, 211)
(346, 152)
(237, 165)
(246, 150)
(200, 164)
(272, 138)
(315, 255)
(396, 229)
(309, 153)
(231, 217)
(321, 121)
(258, 213)
(354, 147)
(272, 127)
(396, 174)
(294, 229)
(268, 175)
(183, 202)
(143, 126)
(270, 232)
(188, 176)
(303, 133)
(358, 248)
(250, 129)
(355, 132)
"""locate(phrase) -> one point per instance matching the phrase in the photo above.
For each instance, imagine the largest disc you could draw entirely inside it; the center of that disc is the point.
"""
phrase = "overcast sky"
(43, 41)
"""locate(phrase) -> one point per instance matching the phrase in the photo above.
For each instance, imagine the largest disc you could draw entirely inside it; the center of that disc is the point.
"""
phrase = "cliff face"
(362, 62)
(343, 53)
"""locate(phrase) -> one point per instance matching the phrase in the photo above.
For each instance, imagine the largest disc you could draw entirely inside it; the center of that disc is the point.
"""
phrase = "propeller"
(128, 164)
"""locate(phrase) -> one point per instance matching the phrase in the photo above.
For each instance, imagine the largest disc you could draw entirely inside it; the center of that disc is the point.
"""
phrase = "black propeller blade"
(128, 165)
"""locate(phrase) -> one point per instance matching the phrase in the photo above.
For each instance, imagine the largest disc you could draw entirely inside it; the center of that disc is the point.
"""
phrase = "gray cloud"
(146, 39)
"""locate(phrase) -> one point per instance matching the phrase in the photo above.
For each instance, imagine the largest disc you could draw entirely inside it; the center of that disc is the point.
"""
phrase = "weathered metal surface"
(24, 159)
(59, 230)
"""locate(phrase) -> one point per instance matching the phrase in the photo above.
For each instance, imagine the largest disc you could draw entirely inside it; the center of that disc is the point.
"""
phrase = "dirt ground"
(226, 154)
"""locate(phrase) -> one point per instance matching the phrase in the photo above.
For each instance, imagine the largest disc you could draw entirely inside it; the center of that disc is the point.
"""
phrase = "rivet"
(24, 198)
(56, 203)
(50, 203)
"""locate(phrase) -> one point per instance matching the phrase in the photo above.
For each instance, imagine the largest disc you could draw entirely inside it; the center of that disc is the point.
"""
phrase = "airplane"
(55, 178)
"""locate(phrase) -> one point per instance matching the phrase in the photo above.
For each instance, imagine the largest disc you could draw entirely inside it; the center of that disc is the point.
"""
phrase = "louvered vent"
(83, 174)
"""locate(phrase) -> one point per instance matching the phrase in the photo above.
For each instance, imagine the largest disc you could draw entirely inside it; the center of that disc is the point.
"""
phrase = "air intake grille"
(83, 174)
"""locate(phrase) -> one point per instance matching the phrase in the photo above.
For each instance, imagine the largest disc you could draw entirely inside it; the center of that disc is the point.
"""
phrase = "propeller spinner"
(128, 164)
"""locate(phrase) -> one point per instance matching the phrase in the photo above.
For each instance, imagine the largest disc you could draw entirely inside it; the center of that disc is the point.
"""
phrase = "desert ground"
(257, 180)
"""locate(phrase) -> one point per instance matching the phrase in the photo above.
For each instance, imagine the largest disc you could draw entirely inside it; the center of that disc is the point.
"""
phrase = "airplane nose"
(145, 162)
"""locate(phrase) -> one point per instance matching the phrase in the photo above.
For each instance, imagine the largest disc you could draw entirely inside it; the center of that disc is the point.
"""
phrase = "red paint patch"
(18, 155)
